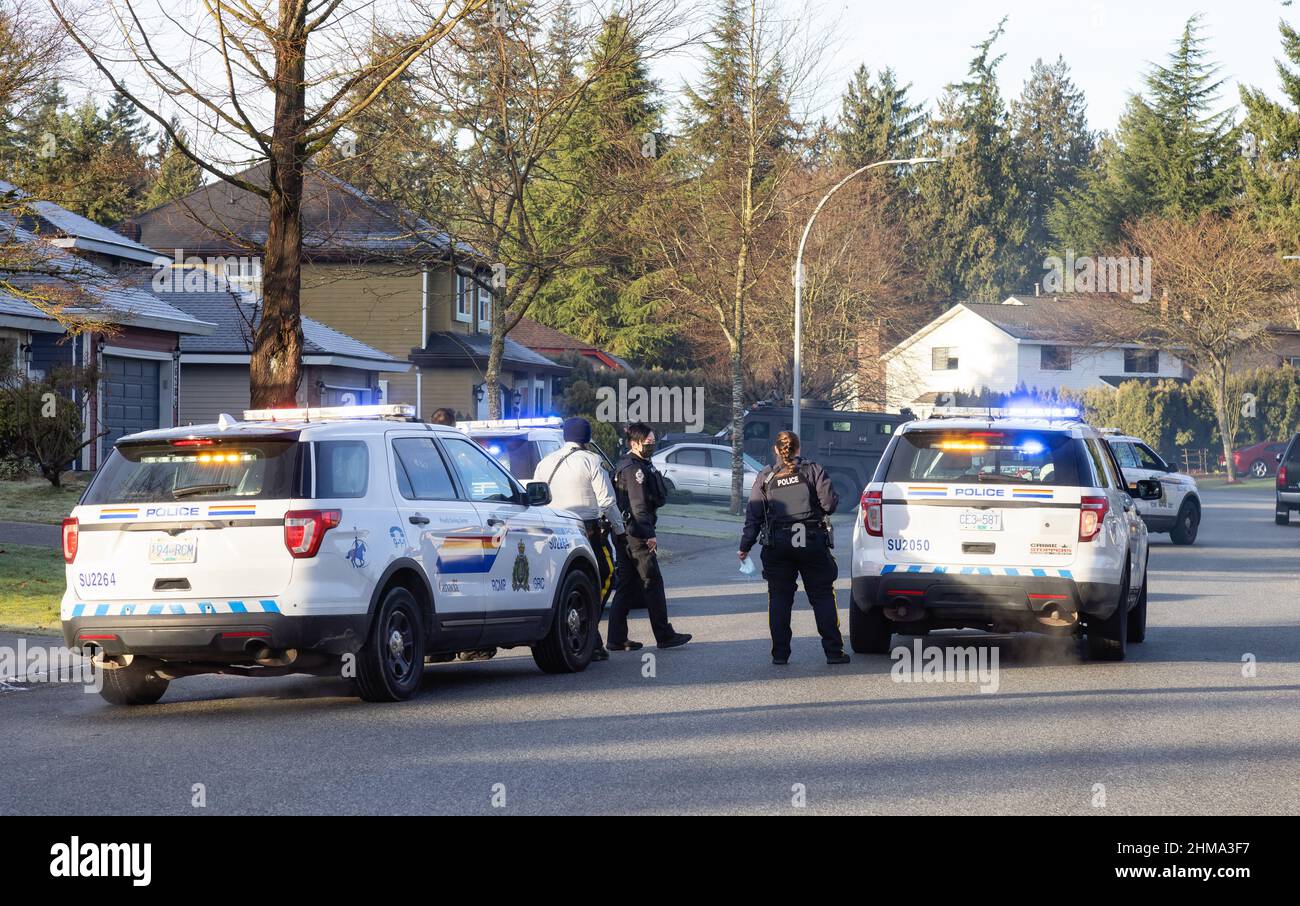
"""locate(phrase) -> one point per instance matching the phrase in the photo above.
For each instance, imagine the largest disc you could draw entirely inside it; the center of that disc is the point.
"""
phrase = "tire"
(869, 632)
(1108, 638)
(391, 664)
(1258, 469)
(134, 684)
(1188, 523)
(1137, 617)
(846, 490)
(1282, 516)
(571, 639)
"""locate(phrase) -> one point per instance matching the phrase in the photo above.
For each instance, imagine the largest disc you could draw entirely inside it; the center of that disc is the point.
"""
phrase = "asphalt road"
(1177, 728)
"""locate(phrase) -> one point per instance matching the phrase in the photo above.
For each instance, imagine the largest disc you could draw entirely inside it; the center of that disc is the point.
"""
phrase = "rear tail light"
(71, 537)
(1092, 513)
(1281, 476)
(305, 529)
(873, 513)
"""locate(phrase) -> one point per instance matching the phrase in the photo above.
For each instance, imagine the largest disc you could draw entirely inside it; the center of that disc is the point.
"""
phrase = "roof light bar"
(1048, 412)
(511, 424)
(324, 413)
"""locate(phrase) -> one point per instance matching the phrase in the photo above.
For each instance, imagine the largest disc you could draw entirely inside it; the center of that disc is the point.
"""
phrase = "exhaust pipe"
(1058, 615)
(262, 655)
(903, 609)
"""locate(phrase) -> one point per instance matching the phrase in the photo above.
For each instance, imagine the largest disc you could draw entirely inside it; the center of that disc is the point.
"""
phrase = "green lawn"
(31, 584)
(34, 500)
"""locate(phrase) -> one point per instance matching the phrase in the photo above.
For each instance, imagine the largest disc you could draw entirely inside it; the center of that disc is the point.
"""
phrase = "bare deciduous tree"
(273, 82)
(1217, 285)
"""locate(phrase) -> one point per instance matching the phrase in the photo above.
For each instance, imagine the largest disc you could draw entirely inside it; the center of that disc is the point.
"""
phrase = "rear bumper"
(973, 600)
(1288, 498)
(216, 638)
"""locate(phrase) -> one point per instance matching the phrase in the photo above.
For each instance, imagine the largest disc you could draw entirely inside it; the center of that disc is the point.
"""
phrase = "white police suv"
(1178, 508)
(1000, 520)
(350, 541)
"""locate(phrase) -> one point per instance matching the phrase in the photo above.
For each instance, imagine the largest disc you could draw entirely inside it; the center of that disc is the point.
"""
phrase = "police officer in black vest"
(787, 513)
(641, 491)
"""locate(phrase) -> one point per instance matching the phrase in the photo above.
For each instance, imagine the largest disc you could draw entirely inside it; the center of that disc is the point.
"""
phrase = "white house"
(1040, 343)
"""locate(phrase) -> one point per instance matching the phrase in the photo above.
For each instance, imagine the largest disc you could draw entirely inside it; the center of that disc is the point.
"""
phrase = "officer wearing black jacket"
(787, 513)
(641, 491)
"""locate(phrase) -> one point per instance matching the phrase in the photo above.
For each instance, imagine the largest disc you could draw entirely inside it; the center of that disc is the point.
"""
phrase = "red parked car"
(1257, 460)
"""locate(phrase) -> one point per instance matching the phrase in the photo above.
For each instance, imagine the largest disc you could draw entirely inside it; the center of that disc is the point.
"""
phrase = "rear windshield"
(986, 456)
(249, 469)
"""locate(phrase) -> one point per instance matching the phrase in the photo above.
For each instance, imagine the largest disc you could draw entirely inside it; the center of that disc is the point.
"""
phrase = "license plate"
(181, 549)
(980, 520)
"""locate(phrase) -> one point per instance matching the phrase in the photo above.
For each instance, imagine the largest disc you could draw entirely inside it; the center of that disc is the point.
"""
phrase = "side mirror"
(1147, 489)
(539, 493)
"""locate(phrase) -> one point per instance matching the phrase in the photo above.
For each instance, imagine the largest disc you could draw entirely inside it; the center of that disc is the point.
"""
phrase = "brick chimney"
(130, 229)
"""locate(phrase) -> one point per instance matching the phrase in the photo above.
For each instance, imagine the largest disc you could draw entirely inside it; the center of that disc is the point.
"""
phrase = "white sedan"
(702, 469)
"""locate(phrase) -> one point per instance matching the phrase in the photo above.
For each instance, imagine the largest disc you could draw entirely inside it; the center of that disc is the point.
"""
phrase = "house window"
(8, 355)
(464, 298)
(1054, 358)
(943, 358)
(1141, 361)
(484, 308)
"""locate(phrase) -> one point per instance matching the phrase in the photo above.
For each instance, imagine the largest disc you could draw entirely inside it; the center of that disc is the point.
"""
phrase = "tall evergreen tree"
(615, 132)
(1172, 154)
(971, 210)
(1053, 146)
(1272, 132)
(877, 120)
(175, 175)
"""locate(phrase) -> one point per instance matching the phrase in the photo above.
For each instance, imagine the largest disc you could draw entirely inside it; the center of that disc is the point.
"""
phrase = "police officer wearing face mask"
(641, 492)
(787, 513)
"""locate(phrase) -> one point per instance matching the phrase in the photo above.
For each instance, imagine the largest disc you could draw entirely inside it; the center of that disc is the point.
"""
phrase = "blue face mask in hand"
(747, 566)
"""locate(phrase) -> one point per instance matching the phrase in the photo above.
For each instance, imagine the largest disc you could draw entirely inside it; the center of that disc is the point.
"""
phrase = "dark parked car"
(1288, 481)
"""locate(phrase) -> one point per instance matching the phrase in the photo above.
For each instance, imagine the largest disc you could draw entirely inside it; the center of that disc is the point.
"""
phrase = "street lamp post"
(798, 273)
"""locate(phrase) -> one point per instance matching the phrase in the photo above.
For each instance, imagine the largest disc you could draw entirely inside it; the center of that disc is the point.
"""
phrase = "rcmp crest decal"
(519, 578)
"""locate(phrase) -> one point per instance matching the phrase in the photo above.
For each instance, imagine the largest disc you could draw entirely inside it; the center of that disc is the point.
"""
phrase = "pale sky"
(1108, 44)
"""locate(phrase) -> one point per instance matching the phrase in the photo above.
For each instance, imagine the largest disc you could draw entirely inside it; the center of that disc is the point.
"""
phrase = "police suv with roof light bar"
(350, 541)
(1000, 520)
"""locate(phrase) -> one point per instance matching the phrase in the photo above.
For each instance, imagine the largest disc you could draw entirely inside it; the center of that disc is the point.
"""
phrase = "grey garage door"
(130, 397)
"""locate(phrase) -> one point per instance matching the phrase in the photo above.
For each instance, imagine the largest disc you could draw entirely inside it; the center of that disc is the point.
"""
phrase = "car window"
(1100, 464)
(693, 457)
(964, 456)
(1124, 453)
(420, 470)
(1116, 473)
(195, 469)
(758, 431)
(342, 468)
(1147, 458)
(481, 476)
(721, 459)
(1293, 452)
(752, 463)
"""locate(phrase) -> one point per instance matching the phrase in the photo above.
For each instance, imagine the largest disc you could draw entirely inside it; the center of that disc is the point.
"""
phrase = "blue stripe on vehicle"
(238, 607)
(1012, 572)
(101, 610)
(1040, 572)
(270, 607)
(156, 610)
(78, 610)
(1065, 574)
(887, 569)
